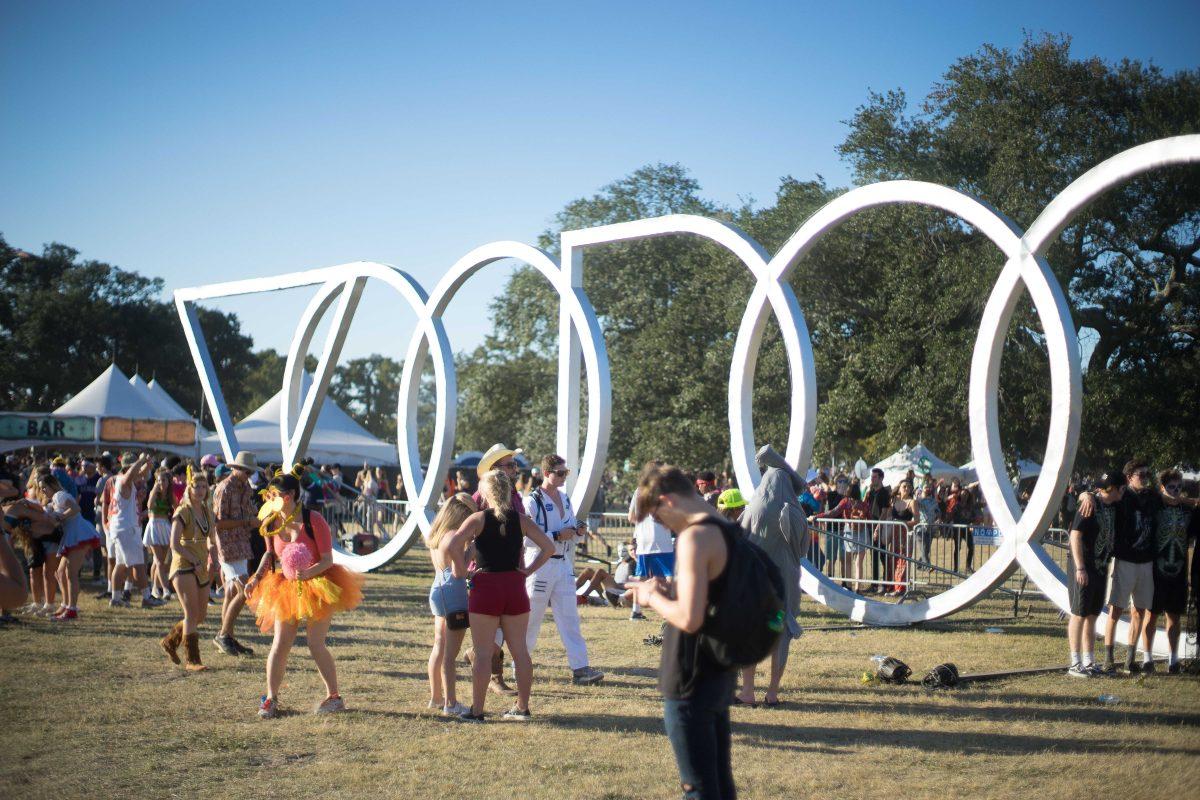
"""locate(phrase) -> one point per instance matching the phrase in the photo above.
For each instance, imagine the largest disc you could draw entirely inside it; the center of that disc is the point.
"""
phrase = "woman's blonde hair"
(450, 518)
(496, 488)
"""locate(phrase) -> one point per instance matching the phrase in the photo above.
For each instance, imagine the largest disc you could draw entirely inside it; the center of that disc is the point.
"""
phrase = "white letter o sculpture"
(1025, 266)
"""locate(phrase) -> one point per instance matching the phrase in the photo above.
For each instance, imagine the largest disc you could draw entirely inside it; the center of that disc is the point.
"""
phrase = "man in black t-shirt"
(879, 499)
(1091, 542)
(1174, 528)
(1134, 550)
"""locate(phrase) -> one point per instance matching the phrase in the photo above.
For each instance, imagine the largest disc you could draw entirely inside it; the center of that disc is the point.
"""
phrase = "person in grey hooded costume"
(777, 524)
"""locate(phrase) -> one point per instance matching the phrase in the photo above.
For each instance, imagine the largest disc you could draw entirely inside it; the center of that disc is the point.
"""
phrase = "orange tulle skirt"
(277, 598)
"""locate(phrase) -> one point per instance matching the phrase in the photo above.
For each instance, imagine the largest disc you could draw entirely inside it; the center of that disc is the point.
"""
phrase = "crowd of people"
(503, 548)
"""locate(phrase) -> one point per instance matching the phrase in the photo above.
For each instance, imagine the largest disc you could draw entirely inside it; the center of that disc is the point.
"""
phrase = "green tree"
(1015, 127)
(64, 320)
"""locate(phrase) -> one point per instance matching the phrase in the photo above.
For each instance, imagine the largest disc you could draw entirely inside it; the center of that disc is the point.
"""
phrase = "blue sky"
(211, 141)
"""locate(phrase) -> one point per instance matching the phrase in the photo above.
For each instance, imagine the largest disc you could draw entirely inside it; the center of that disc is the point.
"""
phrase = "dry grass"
(92, 709)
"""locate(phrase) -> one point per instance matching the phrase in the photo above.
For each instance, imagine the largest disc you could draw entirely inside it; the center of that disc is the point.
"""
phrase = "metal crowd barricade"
(360, 523)
(612, 528)
(866, 553)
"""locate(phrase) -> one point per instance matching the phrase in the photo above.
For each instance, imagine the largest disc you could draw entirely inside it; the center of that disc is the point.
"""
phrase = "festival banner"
(46, 428)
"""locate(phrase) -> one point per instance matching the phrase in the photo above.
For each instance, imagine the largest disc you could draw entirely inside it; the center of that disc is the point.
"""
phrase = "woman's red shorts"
(498, 594)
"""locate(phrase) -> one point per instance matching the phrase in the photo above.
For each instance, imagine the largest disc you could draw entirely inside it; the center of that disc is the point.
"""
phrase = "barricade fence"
(893, 560)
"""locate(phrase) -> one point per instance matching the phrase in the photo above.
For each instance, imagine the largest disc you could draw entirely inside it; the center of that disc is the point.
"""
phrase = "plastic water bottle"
(1109, 699)
(993, 630)
(878, 659)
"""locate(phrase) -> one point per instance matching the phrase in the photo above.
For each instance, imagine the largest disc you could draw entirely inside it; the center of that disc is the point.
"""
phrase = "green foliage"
(894, 296)
(63, 321)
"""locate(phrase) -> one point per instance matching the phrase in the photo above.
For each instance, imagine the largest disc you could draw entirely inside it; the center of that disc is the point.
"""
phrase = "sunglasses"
(505, 464)
(562, 473)
(1173, 487)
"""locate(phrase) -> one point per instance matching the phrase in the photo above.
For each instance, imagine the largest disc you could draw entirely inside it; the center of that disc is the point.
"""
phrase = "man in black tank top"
(696, 691)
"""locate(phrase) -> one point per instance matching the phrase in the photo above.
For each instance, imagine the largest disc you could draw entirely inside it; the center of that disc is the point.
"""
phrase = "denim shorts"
(448, 594)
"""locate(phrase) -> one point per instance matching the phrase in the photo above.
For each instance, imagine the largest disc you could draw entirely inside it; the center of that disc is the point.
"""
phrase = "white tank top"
(125, 514)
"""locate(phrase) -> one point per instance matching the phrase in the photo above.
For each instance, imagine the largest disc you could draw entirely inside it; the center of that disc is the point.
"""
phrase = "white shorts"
(126, 548)
(232, 570)
(1126, 578)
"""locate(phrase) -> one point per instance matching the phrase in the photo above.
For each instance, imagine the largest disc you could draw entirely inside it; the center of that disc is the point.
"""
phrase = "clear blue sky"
(211, 141)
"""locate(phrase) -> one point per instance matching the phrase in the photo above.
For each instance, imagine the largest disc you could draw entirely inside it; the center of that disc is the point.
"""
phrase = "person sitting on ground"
(448, 602)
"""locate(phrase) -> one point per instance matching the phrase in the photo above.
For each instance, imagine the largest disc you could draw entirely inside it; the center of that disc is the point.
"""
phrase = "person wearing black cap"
(1091, 542)
(1132, 575)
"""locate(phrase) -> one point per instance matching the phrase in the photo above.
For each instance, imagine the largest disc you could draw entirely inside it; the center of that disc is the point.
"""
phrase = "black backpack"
(743, 626)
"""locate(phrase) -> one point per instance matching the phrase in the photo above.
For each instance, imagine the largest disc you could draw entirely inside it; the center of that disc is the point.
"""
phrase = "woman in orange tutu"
(296, 582)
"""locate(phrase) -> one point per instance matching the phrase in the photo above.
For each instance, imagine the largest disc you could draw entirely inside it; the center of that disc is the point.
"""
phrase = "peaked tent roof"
(897, 465)
(110, 395)
(336, 438)
(165, 411)
(1027, 467)
(156, 389)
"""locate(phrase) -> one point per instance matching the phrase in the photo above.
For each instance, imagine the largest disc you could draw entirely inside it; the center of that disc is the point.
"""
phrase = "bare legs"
(68, 576)
(193, 599)
(161, 568)
(442, 676)
(285, 637)
(483, 639)
(232, 605)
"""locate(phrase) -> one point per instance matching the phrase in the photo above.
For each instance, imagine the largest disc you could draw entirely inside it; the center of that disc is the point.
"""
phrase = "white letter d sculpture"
(581, 344)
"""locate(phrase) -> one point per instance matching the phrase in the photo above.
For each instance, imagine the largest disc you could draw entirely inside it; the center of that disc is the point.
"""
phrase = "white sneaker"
(1080, 671)
(456, 710)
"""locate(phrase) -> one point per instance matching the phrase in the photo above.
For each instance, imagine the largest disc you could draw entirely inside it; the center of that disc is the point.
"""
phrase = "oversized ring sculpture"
(581, 342)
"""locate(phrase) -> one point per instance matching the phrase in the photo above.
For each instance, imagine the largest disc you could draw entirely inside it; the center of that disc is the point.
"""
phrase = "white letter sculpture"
(580, 339)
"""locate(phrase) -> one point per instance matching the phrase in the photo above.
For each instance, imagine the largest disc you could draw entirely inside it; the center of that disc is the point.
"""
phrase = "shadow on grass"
(841, 740)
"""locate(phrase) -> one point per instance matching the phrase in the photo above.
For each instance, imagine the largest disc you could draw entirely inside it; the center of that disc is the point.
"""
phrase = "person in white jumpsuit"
(553, 584)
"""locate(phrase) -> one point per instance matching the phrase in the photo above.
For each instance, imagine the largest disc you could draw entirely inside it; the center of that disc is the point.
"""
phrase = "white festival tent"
(1026, 468)
(336, 438)
(896, 466)
(111, 394)
(159, 399)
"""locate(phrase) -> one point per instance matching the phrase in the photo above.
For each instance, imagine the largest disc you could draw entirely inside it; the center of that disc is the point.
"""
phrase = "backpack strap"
(539, 512)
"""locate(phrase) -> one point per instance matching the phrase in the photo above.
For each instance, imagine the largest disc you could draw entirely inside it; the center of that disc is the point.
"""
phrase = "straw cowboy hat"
(496, 452)
(245, 460)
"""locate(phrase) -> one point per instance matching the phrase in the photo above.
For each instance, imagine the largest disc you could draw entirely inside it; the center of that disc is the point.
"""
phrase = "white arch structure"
(581, 345)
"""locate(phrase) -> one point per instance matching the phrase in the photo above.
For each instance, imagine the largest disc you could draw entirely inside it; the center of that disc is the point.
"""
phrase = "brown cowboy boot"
(192, 641)
(497, 683)
(170, 643)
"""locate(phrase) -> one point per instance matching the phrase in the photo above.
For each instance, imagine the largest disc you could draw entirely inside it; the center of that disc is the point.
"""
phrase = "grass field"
(92, 709)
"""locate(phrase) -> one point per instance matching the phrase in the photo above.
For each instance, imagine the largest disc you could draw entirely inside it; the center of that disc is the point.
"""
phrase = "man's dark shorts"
(1170, 595)
(1086, 601)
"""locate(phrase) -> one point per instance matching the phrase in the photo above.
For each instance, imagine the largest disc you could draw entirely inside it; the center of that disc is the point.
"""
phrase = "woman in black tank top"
(497, 598)
(696, 691)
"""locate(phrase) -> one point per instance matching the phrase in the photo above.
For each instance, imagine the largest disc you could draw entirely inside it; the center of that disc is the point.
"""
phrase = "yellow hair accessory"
(191, 476)
(271, 515)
